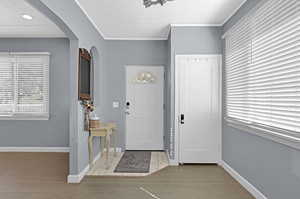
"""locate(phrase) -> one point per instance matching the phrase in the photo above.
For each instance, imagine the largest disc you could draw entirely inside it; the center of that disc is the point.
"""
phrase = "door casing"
(163, 101)
(176, 160)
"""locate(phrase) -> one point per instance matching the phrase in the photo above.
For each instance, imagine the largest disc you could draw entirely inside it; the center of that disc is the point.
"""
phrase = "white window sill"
(276, 136)
(20, 118)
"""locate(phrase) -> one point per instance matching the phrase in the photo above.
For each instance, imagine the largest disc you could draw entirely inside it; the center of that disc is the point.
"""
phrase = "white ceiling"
(129, 19)
(13, 25)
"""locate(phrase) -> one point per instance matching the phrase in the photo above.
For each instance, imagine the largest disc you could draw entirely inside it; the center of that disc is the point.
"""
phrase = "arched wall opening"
(83, 34)
(72, 81)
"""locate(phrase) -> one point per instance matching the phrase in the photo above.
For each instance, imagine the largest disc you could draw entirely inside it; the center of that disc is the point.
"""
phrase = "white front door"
(144, 107)
(199, 108)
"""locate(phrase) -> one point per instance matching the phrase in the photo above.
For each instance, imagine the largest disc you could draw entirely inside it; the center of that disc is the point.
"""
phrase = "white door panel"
(199, 101)
(144, 123)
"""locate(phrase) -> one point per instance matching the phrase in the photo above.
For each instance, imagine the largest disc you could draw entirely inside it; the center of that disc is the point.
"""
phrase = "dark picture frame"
(84, 75)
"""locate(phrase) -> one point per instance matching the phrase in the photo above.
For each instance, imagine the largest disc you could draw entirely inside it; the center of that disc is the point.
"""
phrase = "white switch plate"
(116, 104)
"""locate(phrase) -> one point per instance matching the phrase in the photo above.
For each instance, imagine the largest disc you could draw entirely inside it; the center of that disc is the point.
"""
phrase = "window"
(24, 86)
(263, 68)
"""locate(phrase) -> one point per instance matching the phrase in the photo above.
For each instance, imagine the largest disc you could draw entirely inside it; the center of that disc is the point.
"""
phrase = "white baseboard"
(171, 161)
(77, 178)
(247, 185)
(35, 149)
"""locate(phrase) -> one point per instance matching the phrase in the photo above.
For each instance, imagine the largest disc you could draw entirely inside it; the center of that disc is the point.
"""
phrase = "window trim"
(277, 135)
(26, 116)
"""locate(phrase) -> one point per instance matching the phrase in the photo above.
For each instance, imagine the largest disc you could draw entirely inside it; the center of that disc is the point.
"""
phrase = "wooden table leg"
(113, 134)
(102, 144)
(107, 150)
(91, 156)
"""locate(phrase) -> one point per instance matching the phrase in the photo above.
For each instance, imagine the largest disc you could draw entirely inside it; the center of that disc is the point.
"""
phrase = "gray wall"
(55, 131)
(120, 54)
(70, 18)
(187, 40)
(271, 167)
(202, 40)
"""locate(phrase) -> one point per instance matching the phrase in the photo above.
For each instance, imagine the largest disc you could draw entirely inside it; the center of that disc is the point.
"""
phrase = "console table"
(106, 131)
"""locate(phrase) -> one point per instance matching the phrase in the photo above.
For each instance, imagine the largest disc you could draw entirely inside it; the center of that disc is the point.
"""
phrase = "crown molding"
(234, 12)
(137, 38)
(155, 38)
(117, 38)
(90, 19)
(196, 25)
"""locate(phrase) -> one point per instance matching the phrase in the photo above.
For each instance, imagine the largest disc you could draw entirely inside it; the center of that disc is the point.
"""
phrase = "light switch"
(116, 104)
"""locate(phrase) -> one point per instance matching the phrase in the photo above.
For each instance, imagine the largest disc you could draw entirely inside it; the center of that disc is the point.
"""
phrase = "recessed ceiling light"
(28, 17)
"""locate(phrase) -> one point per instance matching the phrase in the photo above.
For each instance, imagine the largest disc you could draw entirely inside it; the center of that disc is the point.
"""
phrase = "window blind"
(263, 67)
(24, 85)
(6, 85)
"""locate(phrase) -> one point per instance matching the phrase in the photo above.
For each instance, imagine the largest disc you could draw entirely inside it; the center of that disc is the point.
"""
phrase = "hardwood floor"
(43, 176)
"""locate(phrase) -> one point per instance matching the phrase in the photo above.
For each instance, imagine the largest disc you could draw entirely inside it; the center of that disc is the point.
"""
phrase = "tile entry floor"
(158, 161)
(43, 176)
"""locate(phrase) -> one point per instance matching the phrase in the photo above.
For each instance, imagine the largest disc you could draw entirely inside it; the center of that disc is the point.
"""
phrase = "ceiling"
(129, 19)
(13, 25)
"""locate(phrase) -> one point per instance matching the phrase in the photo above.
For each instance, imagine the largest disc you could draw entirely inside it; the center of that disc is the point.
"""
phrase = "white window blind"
(263, 67)
(24, 86)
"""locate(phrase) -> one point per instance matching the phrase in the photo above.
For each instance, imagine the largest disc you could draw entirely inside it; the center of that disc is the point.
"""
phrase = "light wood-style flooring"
(43, 176)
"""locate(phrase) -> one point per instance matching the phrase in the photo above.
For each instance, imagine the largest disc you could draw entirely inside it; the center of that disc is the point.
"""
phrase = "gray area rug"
(134, 162)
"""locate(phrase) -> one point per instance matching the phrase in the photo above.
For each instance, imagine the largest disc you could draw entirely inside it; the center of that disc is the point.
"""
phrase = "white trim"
(72, 179)
(171, 161)
(163, 87)
(137, 38)
(90, 19)
(281, 138)
(24, 53)
(196, 25)
(234, 12)
(245, 183)
(14, 57)
(24, 118)
(224, 35)
(35, 149)
(77, 178)
(177, 112)
(154, 38)
(117, 38)
(199, 55)
(177, 95)
(134, 65)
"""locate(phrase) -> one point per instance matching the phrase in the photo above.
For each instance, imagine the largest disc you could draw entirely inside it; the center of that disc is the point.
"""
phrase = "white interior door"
(199, 108)
(144, 107)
